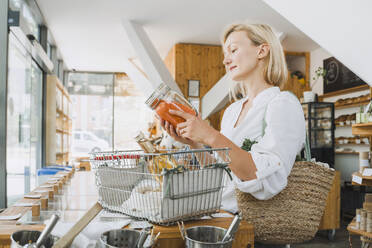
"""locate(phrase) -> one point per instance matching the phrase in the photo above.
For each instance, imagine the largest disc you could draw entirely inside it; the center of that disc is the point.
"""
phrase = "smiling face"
(241, 55)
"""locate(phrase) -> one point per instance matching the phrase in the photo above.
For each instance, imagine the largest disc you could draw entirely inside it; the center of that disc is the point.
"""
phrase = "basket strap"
(307, 143)
(307, 148)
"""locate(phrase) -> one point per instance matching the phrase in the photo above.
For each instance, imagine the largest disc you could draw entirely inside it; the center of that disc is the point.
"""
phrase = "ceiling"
(90, 36)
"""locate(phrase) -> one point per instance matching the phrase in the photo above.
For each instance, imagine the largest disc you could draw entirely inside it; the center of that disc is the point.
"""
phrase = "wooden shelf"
(347, 153)
(346, 91)
(366, 180)
(63, 131)
(58, 123)
(364, 129)
(352, 144)
(62, 114)
(350, 105)
(337, 125)
(63, 90)
(352, 230)
(61, 153)
(369, 124)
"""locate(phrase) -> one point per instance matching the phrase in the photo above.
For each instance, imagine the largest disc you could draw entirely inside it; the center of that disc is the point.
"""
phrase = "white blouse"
(275, 152)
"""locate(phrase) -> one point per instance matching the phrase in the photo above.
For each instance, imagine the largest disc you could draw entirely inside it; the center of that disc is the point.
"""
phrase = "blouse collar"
(264, 96)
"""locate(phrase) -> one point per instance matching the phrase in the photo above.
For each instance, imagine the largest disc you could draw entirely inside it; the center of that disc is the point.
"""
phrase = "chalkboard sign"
(338, 76)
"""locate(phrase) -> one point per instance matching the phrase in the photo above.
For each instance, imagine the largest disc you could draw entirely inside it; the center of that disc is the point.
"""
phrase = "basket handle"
(181, 226)
(307, 149)
(116, 157)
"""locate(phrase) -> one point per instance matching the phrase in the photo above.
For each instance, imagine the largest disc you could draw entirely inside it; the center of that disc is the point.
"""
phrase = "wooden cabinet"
(58, 122)
(297, 61)
(197, 62)
(331, 216)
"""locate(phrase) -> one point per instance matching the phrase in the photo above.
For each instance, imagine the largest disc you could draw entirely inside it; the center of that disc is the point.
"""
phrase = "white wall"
(316, 59)
(342, 27)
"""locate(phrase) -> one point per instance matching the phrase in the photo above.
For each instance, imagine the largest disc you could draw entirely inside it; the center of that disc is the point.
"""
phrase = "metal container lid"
(158, 94)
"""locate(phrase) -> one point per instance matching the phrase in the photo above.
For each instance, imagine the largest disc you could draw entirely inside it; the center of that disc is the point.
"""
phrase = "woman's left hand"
(194, 128)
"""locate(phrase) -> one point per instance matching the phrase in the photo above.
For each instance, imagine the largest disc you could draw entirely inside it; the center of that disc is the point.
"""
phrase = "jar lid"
(157, 95)
(139, 136)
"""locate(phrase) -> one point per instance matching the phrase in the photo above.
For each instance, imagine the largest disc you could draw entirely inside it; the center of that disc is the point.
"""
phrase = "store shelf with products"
(345, 120)
(351, 139)
(353, 144)
(356, 140)
(319, 125)
(354, 231)
(58, 122)
(346, 152)
(350, 105)
(360, 179)
(360, 100)
(346, 105)
(338, 125)
(344, 92)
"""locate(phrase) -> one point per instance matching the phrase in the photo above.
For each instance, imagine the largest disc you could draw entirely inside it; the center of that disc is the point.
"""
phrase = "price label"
(357, 179)
(32, 196)
(10, 217)
(367, 172)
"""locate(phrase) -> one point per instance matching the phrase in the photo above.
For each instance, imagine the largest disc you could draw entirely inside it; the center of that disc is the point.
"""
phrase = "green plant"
(247, 144)
(319, 72)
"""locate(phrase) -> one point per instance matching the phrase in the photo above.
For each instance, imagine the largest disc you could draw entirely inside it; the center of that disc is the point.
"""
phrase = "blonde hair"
(275, 72)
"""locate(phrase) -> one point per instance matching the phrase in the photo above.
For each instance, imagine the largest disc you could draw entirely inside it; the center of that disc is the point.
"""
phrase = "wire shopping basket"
(162, 187)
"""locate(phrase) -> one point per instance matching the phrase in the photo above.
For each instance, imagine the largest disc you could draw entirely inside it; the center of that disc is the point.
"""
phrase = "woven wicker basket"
(292, 216)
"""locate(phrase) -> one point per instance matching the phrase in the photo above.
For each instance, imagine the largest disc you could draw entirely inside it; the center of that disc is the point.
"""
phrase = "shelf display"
(319, 118)
(58, 123)
(58, 143)
(355, 140)
(353, 101)
(58, 99)
(345, 120)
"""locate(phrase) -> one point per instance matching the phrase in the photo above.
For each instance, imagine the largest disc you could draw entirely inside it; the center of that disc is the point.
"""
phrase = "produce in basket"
(158, 163)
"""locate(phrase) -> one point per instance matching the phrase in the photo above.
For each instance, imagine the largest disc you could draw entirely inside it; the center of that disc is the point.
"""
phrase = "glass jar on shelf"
(163, 99)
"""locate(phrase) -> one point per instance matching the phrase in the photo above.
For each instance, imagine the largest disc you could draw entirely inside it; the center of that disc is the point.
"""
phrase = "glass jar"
(163, 99)
(144, 143)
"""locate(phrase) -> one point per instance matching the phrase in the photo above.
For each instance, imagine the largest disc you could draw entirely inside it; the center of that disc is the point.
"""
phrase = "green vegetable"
(247, 144)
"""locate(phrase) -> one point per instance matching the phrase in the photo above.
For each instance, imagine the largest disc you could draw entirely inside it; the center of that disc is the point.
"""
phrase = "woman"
(255, 60)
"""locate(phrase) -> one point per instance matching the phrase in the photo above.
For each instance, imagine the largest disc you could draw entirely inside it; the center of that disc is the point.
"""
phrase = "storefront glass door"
(23, 121)
(36, 122)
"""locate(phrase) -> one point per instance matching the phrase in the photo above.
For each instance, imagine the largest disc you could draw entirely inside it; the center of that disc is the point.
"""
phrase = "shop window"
(23, 121)
(130, 113)
(91, 112)
(108, 110)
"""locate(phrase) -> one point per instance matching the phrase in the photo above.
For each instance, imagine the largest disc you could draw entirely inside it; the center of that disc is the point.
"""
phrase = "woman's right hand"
(172, 132)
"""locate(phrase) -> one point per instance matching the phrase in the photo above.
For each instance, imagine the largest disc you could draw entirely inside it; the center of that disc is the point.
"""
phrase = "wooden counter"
(331, 216)
(170, 236)
(362, 129)
(353, 231)
(366, 180)
(79, 194)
